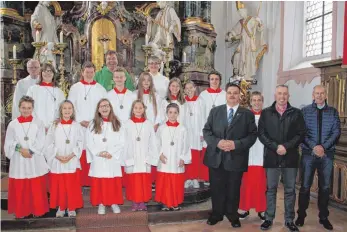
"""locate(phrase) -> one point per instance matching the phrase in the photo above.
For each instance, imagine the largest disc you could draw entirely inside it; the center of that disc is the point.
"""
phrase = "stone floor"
(337, 217)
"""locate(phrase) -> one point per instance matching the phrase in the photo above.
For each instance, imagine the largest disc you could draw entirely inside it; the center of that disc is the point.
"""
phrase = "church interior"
(256, 44)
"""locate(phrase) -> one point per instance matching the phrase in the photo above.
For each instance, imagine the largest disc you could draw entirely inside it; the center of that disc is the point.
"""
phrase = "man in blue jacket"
(322, 132)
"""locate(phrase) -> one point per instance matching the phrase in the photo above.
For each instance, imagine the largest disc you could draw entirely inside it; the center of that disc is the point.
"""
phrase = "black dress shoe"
(300, 221)
(213, 221)
(266, 225)
(327, 225)
(291, 227)
(261, 216)
(243, 215)
(236, 223)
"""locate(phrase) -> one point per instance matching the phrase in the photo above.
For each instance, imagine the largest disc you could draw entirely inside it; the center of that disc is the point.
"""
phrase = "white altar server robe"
(180, 149)
(20, 167)
(126, 100)
(194, 121)
(46, 108)
(149, 107)
(161, 85)
(140, 155)
(256, 152)
(85, 108)
(56, 145)
(163, 115)
(101, 167)
(20, 90)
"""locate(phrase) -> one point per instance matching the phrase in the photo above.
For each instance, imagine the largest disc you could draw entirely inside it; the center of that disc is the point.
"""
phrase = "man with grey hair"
(281, 129)
(323, 130)
(22, 86)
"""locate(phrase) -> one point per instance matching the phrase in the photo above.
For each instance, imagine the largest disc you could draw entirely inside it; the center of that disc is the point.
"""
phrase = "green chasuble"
(105, 78)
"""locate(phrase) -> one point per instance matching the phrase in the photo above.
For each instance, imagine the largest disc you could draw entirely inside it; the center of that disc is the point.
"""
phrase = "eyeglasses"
(48, 71)
(153, 63)
(104, 106)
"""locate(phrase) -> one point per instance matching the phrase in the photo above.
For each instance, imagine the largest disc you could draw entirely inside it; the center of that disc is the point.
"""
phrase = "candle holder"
(184, 70)
(148, 51)
(167, 51)
(62, 83)
(38, 46)
(15, 63)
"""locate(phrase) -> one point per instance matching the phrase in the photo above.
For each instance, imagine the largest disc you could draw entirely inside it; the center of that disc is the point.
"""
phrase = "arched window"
(318, 19)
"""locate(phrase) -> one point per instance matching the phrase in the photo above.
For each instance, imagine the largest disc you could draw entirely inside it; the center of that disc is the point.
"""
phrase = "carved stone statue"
(251, 46)
(161, 29)
(43, 20)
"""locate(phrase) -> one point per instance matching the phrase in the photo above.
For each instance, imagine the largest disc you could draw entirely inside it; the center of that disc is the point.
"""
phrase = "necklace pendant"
(191, 113)
(55, 99)
(138, 139)
(67, 141)
(213, 105)
(26, 138)
(172, 143)
(104, 140)
(85, 98)
(121, 107)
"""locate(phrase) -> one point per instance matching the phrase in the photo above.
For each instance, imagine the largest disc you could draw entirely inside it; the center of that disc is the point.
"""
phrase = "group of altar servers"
(110, 140)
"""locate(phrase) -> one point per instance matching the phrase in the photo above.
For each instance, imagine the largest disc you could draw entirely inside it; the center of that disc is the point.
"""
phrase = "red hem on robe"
(106, 191)
(204, 174)
(253, 189)
(139, 187)
(27, 196)
(192, 169)
(170, 188)
(85, 179)
(65, 193)
(124, 177)
(154, 173)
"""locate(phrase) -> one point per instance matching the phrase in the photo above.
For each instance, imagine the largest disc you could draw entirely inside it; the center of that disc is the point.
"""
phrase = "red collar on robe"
(120, 92)
(86, 83)
(46, 84)
(210, 90)
(22, 119)
(146, 91)
(173, 97)
(105, 119)
(191, 99)
(255, 112)
(138, 120)
(175, 124)
(62, 121)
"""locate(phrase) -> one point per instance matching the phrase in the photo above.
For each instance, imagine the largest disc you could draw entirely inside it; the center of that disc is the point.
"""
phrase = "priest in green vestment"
(105, 76)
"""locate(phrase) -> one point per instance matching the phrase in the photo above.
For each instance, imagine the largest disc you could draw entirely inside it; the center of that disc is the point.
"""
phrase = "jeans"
(272, 179)
(324, 167)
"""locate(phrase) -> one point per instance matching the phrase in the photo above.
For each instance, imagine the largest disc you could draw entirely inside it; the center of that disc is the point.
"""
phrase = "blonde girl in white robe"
(47, 96)
(27, 190)
(173, 146)
(140, 153)
(105, 148)
(63, 149)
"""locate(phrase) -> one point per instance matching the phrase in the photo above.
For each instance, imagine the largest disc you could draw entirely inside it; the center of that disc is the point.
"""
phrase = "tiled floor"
(337, 217)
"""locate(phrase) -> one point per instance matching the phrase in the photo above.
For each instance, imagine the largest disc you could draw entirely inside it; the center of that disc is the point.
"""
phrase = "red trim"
(62, 121)
(191, 99)
(175, 124)
(86, 83)
(344, 55)
(173, 97)
(146, 91)
(120, 92)
(137, 120)
(105, 119)
(46, 84)
(256, 112)
(22, 119)
(169, 188)
(210, 90)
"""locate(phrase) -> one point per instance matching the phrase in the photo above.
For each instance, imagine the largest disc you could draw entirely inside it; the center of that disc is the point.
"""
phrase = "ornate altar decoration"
(248, 34)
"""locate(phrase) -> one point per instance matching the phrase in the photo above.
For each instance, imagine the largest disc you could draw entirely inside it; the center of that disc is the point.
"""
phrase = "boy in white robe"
(85, 96)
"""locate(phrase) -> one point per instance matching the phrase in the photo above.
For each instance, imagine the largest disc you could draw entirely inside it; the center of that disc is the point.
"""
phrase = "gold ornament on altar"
(83, 40)
(239, 5)
(104, 7)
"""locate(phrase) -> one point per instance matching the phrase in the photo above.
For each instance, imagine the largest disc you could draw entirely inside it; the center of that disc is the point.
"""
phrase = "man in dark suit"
(229, 132)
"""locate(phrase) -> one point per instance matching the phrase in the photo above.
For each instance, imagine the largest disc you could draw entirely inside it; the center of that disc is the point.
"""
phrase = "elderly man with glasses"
(22, 86)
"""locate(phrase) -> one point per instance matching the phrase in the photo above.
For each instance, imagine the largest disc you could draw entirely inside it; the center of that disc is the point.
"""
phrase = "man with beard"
(229, 132)
(105, 76)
